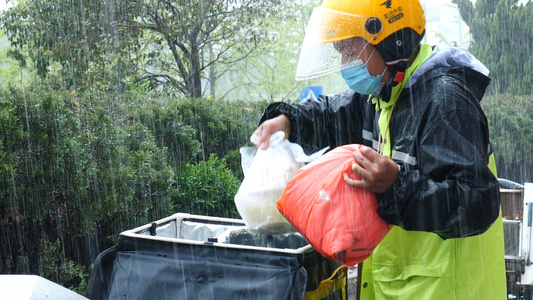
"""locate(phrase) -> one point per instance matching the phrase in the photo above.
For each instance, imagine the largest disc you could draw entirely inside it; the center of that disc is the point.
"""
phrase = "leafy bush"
(164, 119)
(71, 172)
(222, 126)
(56, 267)
(193, 129)
(11, 137)
(207, 188)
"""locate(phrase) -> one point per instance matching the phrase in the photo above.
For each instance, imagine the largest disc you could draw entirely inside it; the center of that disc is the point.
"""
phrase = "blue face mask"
(360, 80)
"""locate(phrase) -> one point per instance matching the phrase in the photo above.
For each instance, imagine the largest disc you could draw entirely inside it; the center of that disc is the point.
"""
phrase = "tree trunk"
(212, 75)
(195, 79)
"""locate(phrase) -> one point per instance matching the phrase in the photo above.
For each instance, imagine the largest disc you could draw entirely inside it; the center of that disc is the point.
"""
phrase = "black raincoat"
(439, 133)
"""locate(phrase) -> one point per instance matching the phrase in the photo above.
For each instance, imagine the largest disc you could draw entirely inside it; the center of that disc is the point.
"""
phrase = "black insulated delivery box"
(198, 257)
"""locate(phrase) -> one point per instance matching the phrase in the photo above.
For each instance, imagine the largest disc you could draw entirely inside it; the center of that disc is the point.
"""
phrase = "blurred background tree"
(511, 130)
(73, 44)
(109, 43)
(502, 38)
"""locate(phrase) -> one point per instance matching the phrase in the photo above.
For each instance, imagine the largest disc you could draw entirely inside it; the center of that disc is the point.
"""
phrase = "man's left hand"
(377, 172)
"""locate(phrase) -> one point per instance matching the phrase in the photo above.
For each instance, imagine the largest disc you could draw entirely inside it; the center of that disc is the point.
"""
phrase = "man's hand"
(377, 172)
(269, 127)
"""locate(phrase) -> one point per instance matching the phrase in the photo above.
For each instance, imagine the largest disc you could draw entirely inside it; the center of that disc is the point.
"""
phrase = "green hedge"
(76, 170)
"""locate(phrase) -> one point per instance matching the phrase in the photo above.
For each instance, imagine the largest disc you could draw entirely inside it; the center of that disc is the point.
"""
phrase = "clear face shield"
(329, 44)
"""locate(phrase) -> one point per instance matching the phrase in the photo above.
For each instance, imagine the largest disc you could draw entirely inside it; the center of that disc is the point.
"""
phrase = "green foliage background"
(511, 130)
(76, 170)
(502, 38)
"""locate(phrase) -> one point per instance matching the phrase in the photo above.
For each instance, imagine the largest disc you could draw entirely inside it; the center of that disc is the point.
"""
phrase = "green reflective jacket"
(422, 265)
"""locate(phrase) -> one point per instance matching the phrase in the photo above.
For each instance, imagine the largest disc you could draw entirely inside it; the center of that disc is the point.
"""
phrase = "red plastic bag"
(339, 221)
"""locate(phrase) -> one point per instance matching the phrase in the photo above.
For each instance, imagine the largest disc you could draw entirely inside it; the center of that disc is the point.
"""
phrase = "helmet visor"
(329, 44)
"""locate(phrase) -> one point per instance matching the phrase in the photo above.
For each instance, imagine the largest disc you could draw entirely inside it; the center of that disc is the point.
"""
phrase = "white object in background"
(33, 287)
(527, 276)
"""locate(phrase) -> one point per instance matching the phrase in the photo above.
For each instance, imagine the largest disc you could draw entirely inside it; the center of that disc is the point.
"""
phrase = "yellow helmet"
(394, 27)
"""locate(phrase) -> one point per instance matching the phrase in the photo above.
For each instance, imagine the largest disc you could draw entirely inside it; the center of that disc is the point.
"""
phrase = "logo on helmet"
(394, 15)
(387, 4)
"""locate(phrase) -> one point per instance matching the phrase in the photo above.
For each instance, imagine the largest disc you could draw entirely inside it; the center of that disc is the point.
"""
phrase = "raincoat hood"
(453, 60)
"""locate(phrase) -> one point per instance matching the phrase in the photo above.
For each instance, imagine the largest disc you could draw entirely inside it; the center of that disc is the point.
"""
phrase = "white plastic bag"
(266, 173)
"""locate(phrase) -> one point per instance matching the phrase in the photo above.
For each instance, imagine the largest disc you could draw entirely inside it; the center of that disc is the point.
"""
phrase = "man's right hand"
(271, 126)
